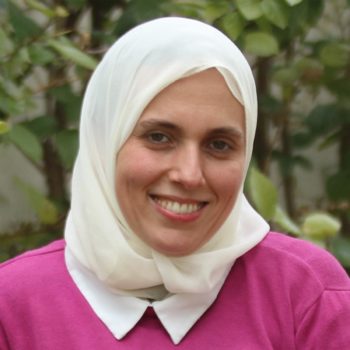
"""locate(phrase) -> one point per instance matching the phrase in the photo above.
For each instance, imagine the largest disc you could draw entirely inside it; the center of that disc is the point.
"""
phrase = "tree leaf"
(214, 9)
(45, 209)
(73, 54)
(71, 102)
(43, 126)
(27, 142)
(250, 9)
(23, 26)
(323, 119)
(6, 45)
(232, 24)
(293, 2)
(263, 193)
(261, 44)
(341, 249)
(320, 226)
(286, 224)
(4, 127)
(67, 145)
(335, 55)
(286, 75)
(276, 12)
(39, 6)
(338, 186)
(40, 55)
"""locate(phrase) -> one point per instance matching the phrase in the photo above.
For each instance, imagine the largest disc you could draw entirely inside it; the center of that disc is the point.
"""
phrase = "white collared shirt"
(120, 313)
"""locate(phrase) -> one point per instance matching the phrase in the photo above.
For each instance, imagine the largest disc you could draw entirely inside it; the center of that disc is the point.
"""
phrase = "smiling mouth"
(177, 207)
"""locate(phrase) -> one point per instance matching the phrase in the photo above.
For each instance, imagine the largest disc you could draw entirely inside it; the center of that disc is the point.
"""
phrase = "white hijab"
(135, 69)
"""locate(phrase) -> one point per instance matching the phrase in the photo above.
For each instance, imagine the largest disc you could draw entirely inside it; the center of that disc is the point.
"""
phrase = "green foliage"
(261, 44)
(44, 57)
(44, 208)
(65, 48)
(263, 193)
(4, 127)
(24, 27)
(67, 144)
(26, 141)
(319, 227)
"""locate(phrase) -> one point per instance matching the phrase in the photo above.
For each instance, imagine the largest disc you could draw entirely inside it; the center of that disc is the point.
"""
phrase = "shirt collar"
(177, 312)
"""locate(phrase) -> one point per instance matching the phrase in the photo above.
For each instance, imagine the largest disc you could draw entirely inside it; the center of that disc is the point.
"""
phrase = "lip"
(179, 217)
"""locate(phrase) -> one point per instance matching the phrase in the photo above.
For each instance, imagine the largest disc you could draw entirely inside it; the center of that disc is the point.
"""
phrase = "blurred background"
(299, 51)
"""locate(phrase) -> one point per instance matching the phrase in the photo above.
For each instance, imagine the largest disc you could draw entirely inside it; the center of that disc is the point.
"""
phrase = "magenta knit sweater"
(283, 294)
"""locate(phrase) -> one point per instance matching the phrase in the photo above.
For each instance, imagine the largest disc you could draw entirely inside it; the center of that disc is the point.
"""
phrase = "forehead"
(202, 99)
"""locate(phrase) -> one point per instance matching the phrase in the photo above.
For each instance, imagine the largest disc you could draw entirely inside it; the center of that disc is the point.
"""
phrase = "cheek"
(229, 174)
(227, 181)
(135, 169)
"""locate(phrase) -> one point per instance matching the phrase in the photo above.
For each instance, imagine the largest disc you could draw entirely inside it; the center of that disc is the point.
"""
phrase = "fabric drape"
(134, 70)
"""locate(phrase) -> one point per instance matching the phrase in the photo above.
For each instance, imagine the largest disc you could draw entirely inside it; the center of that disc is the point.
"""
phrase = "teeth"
(179, 208)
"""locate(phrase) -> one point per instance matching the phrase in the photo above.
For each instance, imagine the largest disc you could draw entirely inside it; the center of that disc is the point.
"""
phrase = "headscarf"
(134, 70)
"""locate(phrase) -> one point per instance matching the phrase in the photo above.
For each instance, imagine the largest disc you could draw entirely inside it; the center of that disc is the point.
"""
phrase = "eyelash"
(150, 136)
(154, 138)
(227, 146)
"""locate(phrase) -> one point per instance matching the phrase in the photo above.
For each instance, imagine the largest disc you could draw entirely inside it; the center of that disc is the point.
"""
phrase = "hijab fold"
(134, 70)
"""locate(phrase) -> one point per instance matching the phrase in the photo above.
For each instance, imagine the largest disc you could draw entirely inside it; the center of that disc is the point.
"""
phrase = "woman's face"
(178, 174)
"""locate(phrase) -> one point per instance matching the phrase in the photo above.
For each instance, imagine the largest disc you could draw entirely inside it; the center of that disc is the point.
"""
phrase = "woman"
(162, 249)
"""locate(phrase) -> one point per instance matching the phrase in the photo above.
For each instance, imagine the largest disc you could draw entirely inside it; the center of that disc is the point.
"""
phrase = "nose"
(187, 168)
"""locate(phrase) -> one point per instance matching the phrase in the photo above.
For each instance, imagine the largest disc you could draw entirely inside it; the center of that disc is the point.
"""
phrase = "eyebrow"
(227, 130)
(151, 123)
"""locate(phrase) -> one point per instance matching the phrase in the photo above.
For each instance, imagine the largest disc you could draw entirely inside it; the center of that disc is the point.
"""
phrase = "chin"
(176, 249)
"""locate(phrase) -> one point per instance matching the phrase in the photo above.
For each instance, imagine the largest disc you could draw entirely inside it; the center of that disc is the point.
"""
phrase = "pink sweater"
(283, 294)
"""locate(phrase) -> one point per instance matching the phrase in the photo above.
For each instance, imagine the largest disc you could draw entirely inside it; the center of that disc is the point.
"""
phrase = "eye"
(219, 145)
(157, 137)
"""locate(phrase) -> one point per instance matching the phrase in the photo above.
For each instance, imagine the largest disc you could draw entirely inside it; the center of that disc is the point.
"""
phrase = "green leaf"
(8, 105)
(43, 126)
(40, 55)
(4, 127)
(261, 44)
(61, 11)
(23, 26)
(67, 145)
(27, 142)
(76, 4)
(341, 249)
(323, 119)
(285, 222)
(232, 24)
(263, 193)
(276, 12)
(250, 9)
(286, 76)
(338, 186)
(339, 85)
(320, 226)
(336, 55)
(71, 103)
(293, 2)
(6, 45)
(214, 9)
(39, 6)
(73, 54)
(45, 209)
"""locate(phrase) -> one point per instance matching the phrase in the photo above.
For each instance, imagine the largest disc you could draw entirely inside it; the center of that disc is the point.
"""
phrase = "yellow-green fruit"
(320, 226)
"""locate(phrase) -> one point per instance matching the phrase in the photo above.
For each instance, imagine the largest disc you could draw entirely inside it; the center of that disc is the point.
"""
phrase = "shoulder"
(299, 259)
(32, 265)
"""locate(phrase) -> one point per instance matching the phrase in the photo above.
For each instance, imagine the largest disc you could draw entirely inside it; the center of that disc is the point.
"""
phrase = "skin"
(187, 147)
